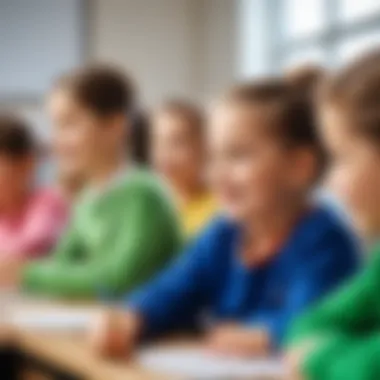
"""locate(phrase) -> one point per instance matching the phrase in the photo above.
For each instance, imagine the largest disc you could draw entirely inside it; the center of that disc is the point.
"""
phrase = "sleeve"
(42, 229)
(335, 325)
(35, 273)
(130, 244)
(333, 260)
(173, 299)
(354, 357)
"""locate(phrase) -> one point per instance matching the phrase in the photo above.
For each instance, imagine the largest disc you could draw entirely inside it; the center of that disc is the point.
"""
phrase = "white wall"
(172, 47)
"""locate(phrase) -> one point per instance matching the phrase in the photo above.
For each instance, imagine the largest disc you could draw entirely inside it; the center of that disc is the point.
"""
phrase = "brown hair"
(189, 111)
(356, 91)
(306, 78)
(105, 90)
(17, 140)
(287, 113)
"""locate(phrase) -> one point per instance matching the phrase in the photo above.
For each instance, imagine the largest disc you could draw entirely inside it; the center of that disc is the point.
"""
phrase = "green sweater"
(118, 239)
(344, 331)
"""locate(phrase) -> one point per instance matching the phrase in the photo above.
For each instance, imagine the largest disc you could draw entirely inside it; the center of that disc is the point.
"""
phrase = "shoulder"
(48, 198)
(324, 224)
(142, 182)
(325, 234)
(219, 234)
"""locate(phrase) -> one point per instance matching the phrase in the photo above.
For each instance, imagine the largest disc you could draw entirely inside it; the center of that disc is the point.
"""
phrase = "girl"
(269, 255)
(339, 339)
(178, 155)
(31, 219)
(123, 228)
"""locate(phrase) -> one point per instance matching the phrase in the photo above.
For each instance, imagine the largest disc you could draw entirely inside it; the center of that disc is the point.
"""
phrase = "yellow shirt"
(196, 213)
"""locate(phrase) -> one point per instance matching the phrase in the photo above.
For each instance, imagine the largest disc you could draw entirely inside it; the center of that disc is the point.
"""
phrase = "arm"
(333, 259)
(332, 327)
(128, 253)
(318, 274)
(41, 230)
(173, 299)
(32, 275)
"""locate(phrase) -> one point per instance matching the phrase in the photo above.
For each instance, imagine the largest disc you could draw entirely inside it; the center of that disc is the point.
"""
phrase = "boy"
(123, 229)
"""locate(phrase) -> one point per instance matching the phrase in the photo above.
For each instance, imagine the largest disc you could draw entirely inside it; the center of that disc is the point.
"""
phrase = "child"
(123, 228)
(339, 339)
(270, 255)
(178, 154)
(31, 219)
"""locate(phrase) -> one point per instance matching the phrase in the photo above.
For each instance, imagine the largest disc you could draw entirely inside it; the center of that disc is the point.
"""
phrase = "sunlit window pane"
(352, 10)
(353, 47)
(302, 17)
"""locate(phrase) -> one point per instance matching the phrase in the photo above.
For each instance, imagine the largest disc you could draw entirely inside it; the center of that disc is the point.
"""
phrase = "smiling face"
(252, 172)
(354, 173)
(177, 150)
(81, 138)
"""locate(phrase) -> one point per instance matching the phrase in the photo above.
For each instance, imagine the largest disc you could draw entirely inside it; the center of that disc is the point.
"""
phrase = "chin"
(366, 229)
(234, 214)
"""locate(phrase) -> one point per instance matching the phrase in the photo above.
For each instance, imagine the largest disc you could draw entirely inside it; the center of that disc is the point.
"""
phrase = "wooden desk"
(60, 356)
(70, 355)
(64, 354)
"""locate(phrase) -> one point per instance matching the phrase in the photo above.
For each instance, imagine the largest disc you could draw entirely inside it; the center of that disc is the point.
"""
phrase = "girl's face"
(354, 173)
(177, 151)
(81, 139)
(252, 174)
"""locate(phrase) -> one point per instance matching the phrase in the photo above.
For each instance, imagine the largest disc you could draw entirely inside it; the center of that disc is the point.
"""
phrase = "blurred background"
(191, 48)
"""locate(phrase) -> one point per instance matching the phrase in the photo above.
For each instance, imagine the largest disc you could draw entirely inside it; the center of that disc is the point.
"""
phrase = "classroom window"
(328, 32)
(302, 18)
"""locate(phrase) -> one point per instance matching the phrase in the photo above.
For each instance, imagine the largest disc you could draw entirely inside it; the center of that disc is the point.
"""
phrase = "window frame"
(329, 38)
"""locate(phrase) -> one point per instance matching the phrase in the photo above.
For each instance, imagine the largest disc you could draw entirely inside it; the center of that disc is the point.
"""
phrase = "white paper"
(199, 364)
(52, 319)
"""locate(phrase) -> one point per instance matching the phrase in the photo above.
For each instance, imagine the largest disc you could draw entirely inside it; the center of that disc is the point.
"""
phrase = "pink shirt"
(36, 229)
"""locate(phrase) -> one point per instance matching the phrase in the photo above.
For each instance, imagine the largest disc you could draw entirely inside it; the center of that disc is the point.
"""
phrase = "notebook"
(196, 363)
(52, 319)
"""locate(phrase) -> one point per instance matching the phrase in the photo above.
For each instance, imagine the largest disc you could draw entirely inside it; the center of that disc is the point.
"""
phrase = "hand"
(114, 333)
(294, 359)
(235, 340)
(10, 272)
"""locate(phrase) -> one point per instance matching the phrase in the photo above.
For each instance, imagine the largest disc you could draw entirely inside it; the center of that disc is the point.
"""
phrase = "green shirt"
(344, 330)
(118, 239)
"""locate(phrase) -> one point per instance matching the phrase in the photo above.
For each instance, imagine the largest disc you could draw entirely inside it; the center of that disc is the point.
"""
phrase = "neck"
(264, 234)
(104, 170)
(186, 192)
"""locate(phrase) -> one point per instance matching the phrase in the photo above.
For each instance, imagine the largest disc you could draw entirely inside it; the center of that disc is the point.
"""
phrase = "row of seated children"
(271, 251)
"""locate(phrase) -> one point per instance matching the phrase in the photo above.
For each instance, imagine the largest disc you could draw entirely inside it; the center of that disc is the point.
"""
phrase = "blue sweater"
(209, 283)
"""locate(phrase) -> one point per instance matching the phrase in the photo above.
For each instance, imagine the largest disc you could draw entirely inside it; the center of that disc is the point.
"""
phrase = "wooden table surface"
(70, 352)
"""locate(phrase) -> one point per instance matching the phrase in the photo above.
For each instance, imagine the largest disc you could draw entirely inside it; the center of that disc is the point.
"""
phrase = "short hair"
(355, 89)
(287, 114)
(104, 89)
(193, 114)
(17, 139)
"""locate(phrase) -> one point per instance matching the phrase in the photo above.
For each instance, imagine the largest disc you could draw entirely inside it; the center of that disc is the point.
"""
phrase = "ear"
(119, 124)
(305, 167)
(28, 164)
